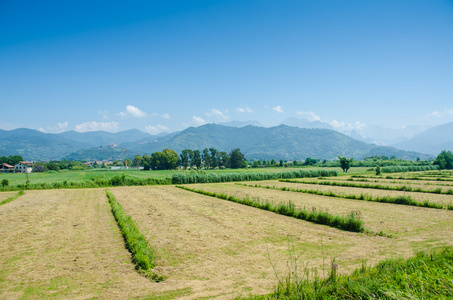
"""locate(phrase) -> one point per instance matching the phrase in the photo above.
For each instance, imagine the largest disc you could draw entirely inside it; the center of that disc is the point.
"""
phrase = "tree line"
(208, 158)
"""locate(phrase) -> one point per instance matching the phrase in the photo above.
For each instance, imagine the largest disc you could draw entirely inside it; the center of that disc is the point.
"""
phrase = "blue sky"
(165, 65)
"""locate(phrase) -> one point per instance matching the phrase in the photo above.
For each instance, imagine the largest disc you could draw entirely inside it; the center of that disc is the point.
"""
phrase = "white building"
(23, 167)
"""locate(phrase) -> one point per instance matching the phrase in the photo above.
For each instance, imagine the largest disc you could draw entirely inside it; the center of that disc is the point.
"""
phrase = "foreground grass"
(20, 193)
(142, 254)
(422, 277)
(351, 222)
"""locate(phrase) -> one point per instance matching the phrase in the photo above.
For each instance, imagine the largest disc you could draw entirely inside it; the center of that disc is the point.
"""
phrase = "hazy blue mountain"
(110, 152)
(280, 142)
(240, 123)
(36, 145)
(304, 123)
(101, 138)
(432, 140)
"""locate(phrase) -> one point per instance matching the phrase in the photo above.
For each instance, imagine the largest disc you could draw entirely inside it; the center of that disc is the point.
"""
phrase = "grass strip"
(190, 177)
(348, 183)
(426, 276)
(351, 222)
(7, 200)
(401, 200)
(142, 254)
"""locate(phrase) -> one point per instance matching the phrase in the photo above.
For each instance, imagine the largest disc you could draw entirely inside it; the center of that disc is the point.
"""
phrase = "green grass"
(142, 254)
(401, 200)
(426, 276)
(351, 222)
(7, 200)
(375, 186)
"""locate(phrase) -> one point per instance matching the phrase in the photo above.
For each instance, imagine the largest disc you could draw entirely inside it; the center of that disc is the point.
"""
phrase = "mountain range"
(278, 142)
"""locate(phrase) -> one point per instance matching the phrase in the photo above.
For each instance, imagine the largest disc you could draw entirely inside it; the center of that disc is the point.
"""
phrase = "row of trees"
(11, 160)
(208, 158)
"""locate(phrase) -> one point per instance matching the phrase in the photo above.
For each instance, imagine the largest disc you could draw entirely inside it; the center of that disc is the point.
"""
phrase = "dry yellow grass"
(6, 195)
(65, 243)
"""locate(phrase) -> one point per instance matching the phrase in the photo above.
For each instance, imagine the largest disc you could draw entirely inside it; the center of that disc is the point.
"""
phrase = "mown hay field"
(66, 243)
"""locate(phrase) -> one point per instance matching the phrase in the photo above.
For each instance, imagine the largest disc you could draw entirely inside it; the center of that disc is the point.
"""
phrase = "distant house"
(23, 167)
(5, 168)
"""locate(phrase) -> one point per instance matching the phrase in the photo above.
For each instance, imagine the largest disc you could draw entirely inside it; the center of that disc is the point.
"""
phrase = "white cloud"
(94, 126)
(60, 127)
(217, 113)
(244, 110)
(311, 116)
(198, 120)
(156, 129)
(278, 109)
(441, 114)
(347, 126)
(132, 111)
(166, 116)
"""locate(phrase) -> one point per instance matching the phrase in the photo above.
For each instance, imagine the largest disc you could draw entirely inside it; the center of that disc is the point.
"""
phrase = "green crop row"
(373, 186)
(185, 178)
(401, 200)
(397, 169)
(7, 200)
(351, 222)
(142, 254)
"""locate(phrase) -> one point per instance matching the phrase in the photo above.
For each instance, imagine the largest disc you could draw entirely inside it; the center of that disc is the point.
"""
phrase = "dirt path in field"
(406, 223)
(64, 244)
(217, 248)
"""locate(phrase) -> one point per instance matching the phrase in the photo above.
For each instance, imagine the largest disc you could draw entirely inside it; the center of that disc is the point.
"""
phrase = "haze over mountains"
(316, 140)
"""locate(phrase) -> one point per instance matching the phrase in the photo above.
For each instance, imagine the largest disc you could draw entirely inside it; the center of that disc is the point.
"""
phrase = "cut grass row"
(351, 222)
(12, 198)
(373, 186)
(422, 277)
(142, 254)
(401, 200)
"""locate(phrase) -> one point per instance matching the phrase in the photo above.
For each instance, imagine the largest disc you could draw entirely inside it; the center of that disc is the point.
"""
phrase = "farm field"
(66, 244)
(80, 176)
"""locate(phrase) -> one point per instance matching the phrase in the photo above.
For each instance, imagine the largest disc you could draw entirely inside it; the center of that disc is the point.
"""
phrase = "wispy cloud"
(198, 121)
(278, 109)
(217, 113)
(104, 114)
(132, 111)
(60, 127)
(244, 110)
(94, 126)
(156, 129)
(311, 116)
(440, 114)
(347, 126)
(166, 116)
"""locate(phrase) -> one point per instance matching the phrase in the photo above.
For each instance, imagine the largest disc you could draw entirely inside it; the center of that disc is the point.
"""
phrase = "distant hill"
(36, 145)
(432, 140)
(280, 142)
(111, 152)
(101, 138)
(304, 123)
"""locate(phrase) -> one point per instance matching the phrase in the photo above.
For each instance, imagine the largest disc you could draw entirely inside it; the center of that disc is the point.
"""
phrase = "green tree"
(224, 159)
(345, 163)
(170, 159)
(237, 159)
(196, 161)
(378, 170)
(214, 157)
(5, 182)
(184, 156)
(52, 166)
(157, 161)
(127, 162)
(444, 160)
(137, 161)
(206, 158)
